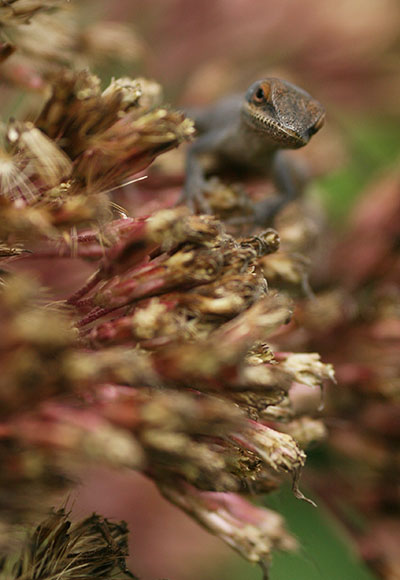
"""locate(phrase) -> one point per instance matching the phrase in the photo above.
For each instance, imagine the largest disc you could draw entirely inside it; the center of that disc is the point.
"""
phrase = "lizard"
(247, 133)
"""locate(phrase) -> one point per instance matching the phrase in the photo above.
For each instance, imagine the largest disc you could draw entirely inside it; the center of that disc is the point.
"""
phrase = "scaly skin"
(246, 134)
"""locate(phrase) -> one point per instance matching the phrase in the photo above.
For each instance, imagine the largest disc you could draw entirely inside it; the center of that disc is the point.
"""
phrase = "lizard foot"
(266, 210)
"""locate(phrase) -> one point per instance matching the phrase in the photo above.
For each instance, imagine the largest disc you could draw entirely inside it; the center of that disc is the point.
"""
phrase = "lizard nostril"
(316, 127)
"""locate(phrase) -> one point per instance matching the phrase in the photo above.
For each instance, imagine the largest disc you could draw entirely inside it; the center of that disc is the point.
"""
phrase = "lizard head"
(285, 113)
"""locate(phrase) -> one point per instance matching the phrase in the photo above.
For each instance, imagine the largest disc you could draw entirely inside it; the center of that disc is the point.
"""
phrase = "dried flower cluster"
(159, 362)
(166, 360)
(355, 321)
(55, 173)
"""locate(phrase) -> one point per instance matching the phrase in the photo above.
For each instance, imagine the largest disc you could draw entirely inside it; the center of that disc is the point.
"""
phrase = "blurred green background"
(374, 146)
(326, 550)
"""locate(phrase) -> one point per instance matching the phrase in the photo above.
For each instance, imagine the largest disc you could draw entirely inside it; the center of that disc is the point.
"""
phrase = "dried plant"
(58, 548)
(166, 360)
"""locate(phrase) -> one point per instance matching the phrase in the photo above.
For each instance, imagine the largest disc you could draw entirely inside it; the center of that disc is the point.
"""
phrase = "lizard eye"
(259, 96)
(261, 93)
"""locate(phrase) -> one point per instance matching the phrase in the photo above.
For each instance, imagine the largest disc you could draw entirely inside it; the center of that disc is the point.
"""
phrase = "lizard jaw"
(273, 130)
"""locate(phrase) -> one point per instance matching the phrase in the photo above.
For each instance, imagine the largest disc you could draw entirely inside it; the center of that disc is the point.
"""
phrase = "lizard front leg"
(195, 182)
(289, 178)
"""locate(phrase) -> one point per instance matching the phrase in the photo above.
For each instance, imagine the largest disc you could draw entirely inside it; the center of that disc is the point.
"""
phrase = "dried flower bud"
(13, 12)
(44, 164)
(306, 368)
(102, 41)
(278, 450)
(34, 345)
(252, 531)
(305, 430)
(285, 268)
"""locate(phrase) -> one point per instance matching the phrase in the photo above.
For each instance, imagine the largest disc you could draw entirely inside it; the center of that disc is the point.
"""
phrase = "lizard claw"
(195, 199)
(201, 204)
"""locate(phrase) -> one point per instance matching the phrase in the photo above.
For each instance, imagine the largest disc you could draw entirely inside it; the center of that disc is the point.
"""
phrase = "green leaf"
(327, 552)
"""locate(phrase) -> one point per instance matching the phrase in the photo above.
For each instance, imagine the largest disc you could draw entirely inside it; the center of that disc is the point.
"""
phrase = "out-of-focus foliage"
(120, 361)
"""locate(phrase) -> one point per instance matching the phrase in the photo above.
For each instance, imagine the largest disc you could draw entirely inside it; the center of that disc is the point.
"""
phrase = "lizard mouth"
(275, 131)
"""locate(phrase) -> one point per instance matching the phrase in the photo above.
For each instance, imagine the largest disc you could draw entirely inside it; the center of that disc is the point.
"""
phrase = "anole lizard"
(246, 134)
